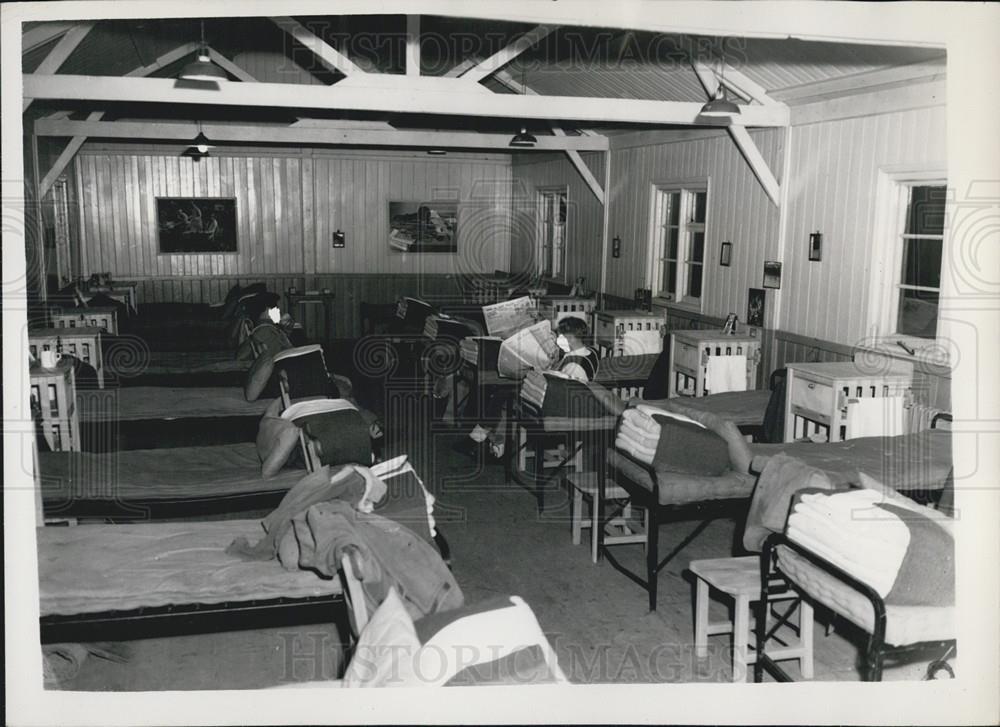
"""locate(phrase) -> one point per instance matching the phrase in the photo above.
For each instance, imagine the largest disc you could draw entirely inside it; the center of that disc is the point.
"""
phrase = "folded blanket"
(896, 548)
(772, 496)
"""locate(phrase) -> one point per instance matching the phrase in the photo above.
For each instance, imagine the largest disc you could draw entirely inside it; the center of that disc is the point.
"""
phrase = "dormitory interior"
(222, 274)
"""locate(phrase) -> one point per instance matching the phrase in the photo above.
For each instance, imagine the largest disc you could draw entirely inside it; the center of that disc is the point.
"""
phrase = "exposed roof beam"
(513, 84)
(508, 53)
(58, 55)
(227, 65)
(305, 135)
(67, 154)
(860, 82)
(412, 45)
(42, 34)
(323, 50)
(461, 68)
(370, 125)
(740, 136)
(400, 97)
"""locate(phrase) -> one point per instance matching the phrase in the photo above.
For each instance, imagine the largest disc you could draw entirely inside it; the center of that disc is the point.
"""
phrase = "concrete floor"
(595, 617)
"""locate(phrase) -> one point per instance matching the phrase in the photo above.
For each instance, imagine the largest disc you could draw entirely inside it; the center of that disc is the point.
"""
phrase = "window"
(677, 250)
(909, 247)
(551, 245)
(921, 247)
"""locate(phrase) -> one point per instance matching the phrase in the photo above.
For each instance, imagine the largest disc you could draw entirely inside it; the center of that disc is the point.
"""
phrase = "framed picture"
(196, 224)
(726, 254)
(772, 274)
(815, 247)
(755, 307)
(423, 226)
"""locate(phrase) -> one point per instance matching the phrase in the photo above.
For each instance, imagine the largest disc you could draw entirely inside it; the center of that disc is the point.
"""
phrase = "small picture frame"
(730, 326)
(815, 247)
(726, 254)
(772, 274)
(755, 307)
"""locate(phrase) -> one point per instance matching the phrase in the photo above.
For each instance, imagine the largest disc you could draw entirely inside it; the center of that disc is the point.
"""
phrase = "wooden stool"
(584, 484)
(739, 578)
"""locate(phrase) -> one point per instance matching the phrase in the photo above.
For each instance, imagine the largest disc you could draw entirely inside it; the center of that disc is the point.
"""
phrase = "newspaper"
(509, 316)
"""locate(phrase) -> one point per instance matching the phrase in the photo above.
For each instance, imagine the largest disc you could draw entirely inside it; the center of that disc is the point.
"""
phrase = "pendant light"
(200, 144)
(202, 69)
(720, 107)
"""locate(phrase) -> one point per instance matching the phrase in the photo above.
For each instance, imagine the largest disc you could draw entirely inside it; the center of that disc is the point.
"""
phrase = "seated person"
(578, 361)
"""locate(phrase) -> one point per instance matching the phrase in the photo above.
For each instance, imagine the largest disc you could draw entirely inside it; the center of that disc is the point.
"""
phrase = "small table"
(612, 329)
(692, 349)
(121, 290)
(103, 317)
(83, 343)
(818, 394)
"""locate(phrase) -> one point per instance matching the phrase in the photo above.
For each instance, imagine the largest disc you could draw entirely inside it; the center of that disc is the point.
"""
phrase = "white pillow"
(386, 650)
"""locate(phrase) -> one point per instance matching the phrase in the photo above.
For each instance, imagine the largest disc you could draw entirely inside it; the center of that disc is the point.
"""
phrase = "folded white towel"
(875, 417)
(726, 373)
(650, 410)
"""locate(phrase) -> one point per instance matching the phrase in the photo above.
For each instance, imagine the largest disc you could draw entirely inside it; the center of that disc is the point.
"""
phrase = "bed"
(106, 574)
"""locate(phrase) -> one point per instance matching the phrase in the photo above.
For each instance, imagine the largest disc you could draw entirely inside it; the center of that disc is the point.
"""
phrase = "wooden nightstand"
(82, 343)
(53, 392)
(817, 395)
(693, 348)
(611, 329)
(102, 317)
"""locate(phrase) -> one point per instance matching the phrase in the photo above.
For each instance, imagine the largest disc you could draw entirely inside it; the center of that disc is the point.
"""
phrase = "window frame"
(687, 228)
(542, 193)
(892, 200)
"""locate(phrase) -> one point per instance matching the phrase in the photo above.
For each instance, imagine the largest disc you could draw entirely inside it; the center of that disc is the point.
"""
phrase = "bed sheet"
(133, 403)
(908, 462)
(98, 568)
(158, 474)
(194, 362)
(742, 408)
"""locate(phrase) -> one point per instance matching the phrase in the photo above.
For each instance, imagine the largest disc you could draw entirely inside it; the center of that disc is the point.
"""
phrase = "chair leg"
(576, 517)
(701, 620)
(652, 539)
(540, 474)
(806, 639)
(595, 525)
(741, 637)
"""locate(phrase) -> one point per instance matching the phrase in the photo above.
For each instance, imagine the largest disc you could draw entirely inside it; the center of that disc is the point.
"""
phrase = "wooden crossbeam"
(508, 53)
(67, 154)
(229, 66)
(394, 98)
(323, 50)
(737, 131)
(42, 34)
(306, 134)
(58, 55)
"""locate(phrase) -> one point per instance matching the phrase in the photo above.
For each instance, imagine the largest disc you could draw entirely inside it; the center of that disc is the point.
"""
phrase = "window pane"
(674, 208)
(918, 312)
(562, 208)
(926, 213)
(922, 263)
(672, 235)
(698, 247)
(700, 199)
(670, 284)
(694, 281)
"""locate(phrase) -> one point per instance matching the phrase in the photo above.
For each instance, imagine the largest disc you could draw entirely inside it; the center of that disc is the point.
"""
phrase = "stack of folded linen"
(431, 327)
(638, 434)
(533, 389)
(853, 532)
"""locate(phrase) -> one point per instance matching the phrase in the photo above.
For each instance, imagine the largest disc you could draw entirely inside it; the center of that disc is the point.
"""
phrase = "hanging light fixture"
(523, 138)
(720, 107)
(202, 69)
(199, 144)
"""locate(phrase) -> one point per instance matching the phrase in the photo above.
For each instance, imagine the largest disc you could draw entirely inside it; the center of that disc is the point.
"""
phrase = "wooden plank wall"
(835, 166)
(584, 218)
(288, 205)
(738, 211)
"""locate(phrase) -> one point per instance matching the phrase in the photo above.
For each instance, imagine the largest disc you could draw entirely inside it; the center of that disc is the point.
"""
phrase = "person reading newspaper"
(573, 358)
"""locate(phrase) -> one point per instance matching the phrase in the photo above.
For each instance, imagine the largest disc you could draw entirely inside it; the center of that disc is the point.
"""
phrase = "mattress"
(180, 473)
(742, 408)
(98, 568)
(135, 403)
(625, 369)
(907, 462)
(194, 362)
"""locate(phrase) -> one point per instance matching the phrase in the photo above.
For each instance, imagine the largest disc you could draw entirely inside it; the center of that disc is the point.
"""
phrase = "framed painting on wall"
(423, 226)
(196, 224)
(755, 307)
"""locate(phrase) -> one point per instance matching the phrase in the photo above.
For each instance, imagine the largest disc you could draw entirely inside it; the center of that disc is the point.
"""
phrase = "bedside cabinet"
(102, 317)
(82, 343)
(691, 351)
(53, 392)
(628, 332)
